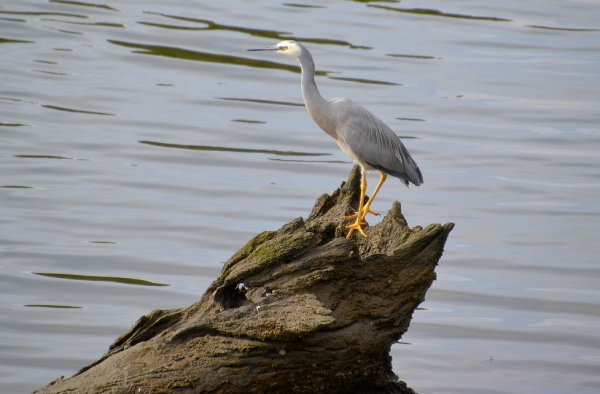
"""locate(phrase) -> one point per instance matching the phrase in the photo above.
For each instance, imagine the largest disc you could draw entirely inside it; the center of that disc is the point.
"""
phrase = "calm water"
(140, 146)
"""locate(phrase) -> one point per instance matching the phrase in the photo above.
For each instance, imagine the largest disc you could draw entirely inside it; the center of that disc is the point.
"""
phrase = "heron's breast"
(323, 121)
(350, 153)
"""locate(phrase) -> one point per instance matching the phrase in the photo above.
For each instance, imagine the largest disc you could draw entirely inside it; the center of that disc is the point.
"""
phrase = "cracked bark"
(297, 310)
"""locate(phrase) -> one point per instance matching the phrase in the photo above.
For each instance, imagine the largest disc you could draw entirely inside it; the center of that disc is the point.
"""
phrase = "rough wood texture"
(298, 310)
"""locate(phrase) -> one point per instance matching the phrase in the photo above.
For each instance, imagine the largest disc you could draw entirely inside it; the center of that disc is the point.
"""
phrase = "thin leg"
(359, 217)
(365, 210)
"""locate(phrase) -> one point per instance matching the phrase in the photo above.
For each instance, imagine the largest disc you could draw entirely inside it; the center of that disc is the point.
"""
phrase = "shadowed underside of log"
(297, 310)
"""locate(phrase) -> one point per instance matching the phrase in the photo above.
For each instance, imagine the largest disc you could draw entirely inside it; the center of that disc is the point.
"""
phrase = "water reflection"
(412, 56)
(248, 121)
(368, 81)
(43, 157)
(172, 27)
(79, 111)
(313, 161)
(568, 323)
(101, 24)
(561, 28)
(412, 119)
(50, 72)
(44, 61)
(65, 31)
(376, 1)
(93, 278)
(303, 5)
(53, 306)
(210, 25)
(42, 14)
(430, 12)
(276, 35)
(11, 41)
(17, 100)
(78, 3)
(258, 101)
(237, 150)
(13, 124)
(180, 53)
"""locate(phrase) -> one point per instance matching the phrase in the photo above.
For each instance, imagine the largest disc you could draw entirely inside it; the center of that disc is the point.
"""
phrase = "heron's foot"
(364, 214)
(357, 226)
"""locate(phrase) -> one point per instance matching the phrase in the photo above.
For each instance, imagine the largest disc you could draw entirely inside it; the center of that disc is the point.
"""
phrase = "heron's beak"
(271, 48)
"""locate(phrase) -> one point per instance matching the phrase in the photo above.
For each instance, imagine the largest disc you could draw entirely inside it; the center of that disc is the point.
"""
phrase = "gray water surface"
(140, 147)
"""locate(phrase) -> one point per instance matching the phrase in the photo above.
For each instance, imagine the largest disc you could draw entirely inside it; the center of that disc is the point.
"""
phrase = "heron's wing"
(374, 143)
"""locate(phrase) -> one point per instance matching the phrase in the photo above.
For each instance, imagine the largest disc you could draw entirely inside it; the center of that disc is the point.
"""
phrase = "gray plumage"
(374, 144)
(360, 134)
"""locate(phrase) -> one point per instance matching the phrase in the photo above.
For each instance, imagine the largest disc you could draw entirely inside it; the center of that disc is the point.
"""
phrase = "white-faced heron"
(361, 135)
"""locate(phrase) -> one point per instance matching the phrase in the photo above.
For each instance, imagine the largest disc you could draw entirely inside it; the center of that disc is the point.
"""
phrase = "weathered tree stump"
(297, 310)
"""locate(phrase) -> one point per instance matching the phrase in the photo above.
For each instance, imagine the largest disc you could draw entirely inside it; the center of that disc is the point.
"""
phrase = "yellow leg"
(367, 207)
(365, 210)
(359, 217)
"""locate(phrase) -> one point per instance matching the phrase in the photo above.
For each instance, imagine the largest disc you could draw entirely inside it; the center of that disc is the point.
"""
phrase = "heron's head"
(290, 48)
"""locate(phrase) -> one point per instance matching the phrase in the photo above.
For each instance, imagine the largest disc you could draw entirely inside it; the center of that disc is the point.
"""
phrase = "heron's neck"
(317, 106)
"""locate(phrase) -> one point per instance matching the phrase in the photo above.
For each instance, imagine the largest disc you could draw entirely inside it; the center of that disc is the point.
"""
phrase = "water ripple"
(412, 56)
(13, 124)
(43, 14)
(277, 35)
(427, 11)
(303, 5)
(180, 53)
(227, 149)
(78, 3)
(79, 111)
(562, 28)
(412, 119)
(53, 306)
(93, 278)
(101, 24)
(50, 72)
(43, 157)
(261, 101)
(66, 31)
(11, 41)
(367, 81)
(248, 121)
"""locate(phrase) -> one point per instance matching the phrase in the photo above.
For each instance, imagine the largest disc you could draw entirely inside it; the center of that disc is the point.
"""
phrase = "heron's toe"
(364, 214)
(371, 212)
(358, 225)
(350, 217)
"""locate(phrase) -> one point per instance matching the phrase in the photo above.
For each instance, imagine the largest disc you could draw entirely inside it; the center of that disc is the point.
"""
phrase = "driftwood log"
(297, 310)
